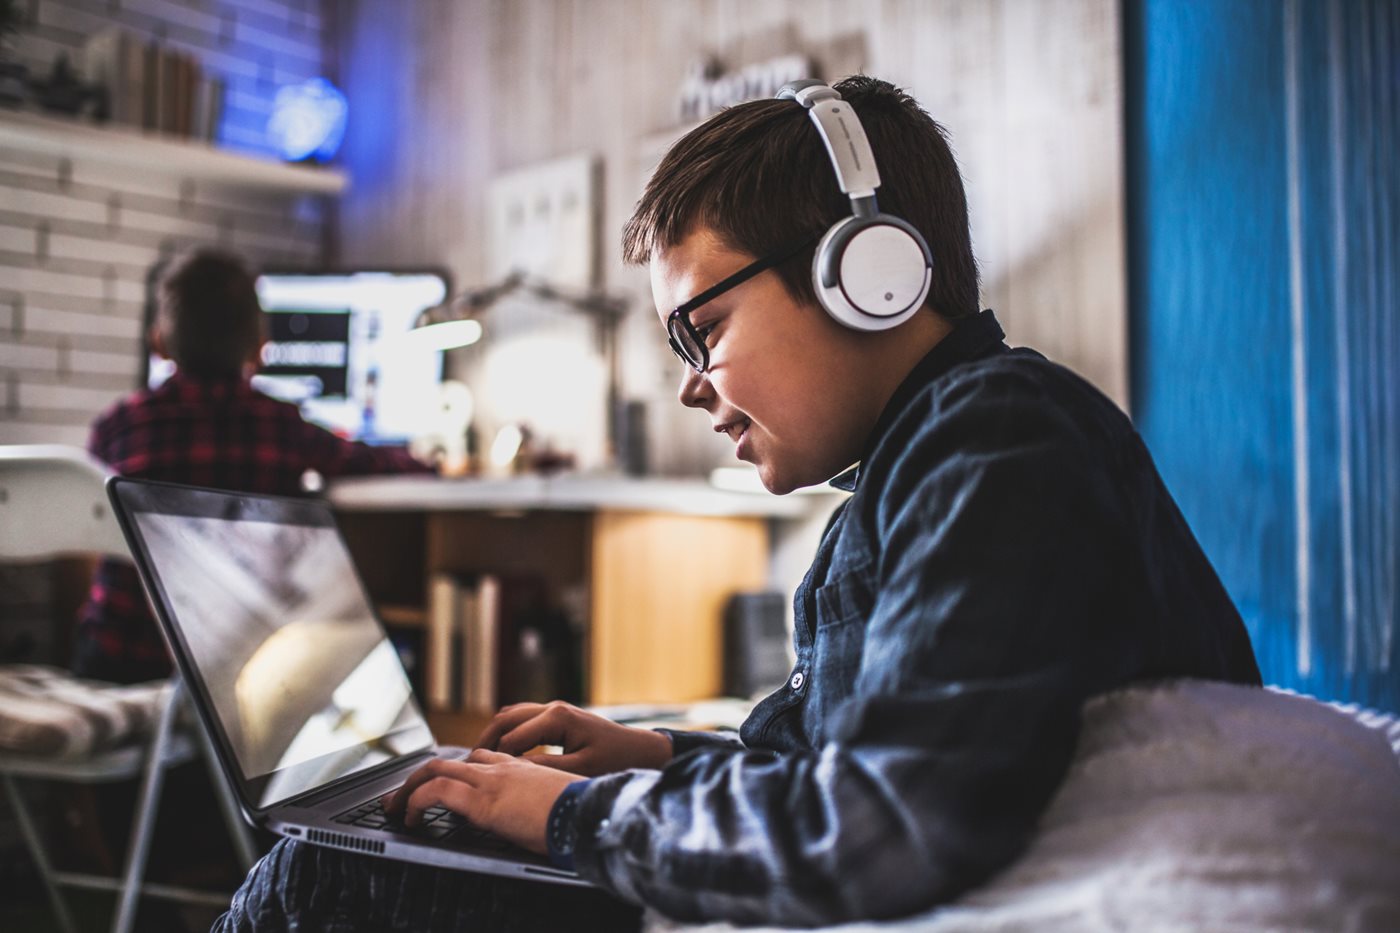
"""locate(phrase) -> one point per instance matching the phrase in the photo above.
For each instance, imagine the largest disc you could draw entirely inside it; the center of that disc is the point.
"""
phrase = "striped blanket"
(46, 711)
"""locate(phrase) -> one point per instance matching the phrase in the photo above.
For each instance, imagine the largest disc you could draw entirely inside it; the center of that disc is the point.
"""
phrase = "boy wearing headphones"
(1008, 551)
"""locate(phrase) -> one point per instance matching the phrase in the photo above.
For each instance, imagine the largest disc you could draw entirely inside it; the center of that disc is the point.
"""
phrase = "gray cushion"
(1200, 805)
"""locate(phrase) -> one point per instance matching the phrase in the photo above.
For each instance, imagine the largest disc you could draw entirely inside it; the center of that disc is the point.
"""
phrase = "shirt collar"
(972, 337)
(189, 386)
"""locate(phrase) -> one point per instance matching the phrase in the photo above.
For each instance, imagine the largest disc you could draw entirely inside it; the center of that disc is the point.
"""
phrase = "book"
(444, 604)
(460, 644)
(183, 94)
(152, 86)
(208, 108)
(123, 64)
(134, 81)
(103, 64)
(167, 88)
(481, 623)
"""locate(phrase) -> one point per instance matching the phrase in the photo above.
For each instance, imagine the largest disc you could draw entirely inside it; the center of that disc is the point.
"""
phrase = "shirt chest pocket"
(843, 608)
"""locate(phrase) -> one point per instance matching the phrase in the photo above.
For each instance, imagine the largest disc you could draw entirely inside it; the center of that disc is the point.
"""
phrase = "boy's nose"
(694, 390)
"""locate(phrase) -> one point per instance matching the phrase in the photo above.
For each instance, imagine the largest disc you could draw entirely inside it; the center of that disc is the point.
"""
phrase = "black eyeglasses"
(687, 342)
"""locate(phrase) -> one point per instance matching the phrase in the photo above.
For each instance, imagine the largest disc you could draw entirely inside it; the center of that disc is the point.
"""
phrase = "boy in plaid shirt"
(205, 426)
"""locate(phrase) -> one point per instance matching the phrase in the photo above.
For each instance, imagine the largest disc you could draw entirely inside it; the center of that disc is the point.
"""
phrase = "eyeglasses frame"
(679, 318)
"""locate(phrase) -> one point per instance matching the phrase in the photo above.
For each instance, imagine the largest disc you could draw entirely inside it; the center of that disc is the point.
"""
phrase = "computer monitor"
(336, 347)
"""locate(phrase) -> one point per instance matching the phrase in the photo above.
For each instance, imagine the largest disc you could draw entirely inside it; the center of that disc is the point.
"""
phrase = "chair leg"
(144, 820)
(238, 830)
(35, 842)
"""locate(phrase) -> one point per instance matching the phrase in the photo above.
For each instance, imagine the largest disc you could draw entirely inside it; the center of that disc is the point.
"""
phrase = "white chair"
(52, 502)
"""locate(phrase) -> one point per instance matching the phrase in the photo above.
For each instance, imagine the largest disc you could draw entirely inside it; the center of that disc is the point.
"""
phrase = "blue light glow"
(308, 120)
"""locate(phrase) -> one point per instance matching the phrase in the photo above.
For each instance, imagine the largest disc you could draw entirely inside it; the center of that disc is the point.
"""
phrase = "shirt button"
(798, 679)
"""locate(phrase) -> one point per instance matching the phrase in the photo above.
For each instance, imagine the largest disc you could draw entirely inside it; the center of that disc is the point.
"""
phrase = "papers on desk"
(719, 714)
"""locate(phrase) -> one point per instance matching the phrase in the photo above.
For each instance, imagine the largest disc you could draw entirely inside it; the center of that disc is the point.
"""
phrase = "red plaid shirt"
(218, 433)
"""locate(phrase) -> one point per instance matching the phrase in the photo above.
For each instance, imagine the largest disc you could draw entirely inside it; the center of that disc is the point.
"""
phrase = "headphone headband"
(845, 141)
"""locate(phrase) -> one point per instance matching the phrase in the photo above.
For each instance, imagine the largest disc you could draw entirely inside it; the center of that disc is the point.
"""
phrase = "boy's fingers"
(504, 721)
(570, 762)
(546, 728)
(483, 756)
(455, 795)
(437, 768)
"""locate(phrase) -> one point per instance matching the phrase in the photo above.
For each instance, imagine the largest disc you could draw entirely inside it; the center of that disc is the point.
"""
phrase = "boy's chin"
(776, 481)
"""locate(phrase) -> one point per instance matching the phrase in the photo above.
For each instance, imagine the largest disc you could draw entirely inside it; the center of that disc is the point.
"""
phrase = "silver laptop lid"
(269, 623)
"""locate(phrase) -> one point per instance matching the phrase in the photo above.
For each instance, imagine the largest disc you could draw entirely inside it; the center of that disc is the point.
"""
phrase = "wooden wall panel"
(1030, 93)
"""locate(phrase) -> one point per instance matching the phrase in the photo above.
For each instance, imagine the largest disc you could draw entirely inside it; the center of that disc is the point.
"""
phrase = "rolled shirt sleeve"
(683, 742)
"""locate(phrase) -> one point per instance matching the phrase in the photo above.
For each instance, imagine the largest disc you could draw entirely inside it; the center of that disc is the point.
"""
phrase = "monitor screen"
(336, 347)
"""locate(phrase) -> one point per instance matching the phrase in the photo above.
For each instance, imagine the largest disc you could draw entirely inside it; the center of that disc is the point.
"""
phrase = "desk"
(647, 564)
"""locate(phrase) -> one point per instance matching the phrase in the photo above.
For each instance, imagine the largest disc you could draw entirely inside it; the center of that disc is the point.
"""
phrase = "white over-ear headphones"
(872, 271)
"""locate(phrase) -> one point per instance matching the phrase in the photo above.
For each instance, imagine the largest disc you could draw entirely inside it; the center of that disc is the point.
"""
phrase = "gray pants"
(301, 887)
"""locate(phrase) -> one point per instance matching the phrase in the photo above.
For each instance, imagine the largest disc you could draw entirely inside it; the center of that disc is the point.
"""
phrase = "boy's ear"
(156, 341)
(254, 361)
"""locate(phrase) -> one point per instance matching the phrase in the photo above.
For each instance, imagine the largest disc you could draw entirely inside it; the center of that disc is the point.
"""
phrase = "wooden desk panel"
(647, 564)
(655, 584)
(660, 583)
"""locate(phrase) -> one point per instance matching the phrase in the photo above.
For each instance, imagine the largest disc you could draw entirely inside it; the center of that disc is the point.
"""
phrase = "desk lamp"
(457, 323)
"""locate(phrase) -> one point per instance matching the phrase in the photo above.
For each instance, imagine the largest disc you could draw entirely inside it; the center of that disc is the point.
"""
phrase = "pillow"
(46, 711)
(1201, 805)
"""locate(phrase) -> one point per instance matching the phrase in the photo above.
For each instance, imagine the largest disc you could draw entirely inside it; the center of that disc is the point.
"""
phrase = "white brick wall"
(77, 237)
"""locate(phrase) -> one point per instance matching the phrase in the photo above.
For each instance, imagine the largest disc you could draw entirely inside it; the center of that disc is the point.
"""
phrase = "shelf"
(569, 492)
(403, 616)
(116, 145)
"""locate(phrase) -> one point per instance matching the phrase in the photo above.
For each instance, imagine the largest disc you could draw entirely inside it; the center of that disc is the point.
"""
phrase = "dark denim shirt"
(1008, 552)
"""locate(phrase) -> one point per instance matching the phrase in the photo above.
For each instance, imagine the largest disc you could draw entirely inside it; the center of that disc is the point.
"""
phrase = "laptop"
(293, 675)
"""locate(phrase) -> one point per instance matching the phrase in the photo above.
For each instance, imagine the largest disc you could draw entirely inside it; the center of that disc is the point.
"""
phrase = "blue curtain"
(1263, 146)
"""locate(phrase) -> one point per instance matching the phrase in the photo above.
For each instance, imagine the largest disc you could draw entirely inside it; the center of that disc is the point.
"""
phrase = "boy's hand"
(592, 745)
(508, 796)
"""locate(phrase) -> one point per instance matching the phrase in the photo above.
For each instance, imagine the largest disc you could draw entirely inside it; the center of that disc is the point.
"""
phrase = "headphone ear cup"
(872, 273)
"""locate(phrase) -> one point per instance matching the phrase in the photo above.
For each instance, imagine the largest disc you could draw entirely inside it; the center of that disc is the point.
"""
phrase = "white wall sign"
(543, 220)
(708, 89)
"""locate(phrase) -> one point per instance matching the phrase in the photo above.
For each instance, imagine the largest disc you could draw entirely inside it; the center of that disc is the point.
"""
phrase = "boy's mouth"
(734, 429)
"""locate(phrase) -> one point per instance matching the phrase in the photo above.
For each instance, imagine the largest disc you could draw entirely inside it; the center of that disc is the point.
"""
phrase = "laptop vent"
(342, 841)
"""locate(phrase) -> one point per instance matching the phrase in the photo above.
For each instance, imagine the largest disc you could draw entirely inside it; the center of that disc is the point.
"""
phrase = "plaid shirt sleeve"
(333, 456)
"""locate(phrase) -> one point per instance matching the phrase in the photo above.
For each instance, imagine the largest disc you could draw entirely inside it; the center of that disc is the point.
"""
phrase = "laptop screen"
(274, 629)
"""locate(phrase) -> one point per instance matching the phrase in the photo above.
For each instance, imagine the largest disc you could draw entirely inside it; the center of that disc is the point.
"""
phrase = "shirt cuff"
(683, 741)
(561, 832)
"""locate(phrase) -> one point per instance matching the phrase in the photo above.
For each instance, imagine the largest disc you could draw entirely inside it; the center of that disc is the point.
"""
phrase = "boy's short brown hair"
(208, 313)
(758, 175)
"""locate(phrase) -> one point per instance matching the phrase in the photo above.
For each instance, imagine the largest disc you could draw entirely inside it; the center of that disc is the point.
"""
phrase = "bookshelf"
(125, 146)
(643, 567)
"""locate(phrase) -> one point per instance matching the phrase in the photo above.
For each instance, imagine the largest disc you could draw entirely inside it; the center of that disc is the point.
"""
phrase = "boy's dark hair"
(208, 313)
(759, 175)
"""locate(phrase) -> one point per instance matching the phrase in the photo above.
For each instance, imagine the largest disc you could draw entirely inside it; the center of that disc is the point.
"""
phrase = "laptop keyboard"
(437, 823)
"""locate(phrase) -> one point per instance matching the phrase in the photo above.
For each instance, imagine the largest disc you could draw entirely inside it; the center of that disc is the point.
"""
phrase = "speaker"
(872, 270)
(756, 639)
